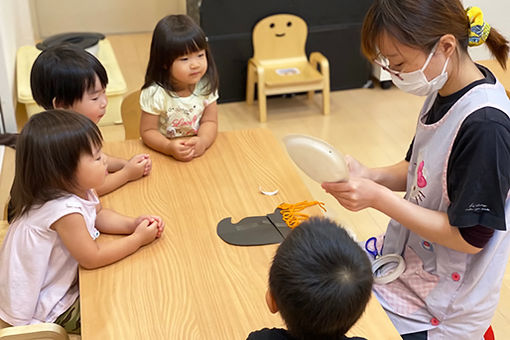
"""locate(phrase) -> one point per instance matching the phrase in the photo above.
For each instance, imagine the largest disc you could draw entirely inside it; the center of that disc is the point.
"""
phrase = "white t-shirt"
(38, 276)
(178, 116)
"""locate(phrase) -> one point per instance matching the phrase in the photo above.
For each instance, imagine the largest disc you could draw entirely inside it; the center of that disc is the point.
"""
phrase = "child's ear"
(56, 105)
(271, 303)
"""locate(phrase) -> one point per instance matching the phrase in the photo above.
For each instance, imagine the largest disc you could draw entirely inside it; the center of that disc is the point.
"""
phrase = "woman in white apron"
(451, 226)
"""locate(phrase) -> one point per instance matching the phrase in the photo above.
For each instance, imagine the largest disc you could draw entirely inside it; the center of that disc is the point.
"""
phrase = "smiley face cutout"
(281, 34)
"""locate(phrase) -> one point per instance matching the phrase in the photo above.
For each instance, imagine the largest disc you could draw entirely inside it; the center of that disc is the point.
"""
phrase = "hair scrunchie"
(478, 29)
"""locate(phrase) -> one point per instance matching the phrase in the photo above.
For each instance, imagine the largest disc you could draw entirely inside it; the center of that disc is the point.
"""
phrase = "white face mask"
(416, 82)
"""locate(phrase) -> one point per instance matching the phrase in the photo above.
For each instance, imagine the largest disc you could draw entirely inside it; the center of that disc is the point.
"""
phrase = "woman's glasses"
(384, 66)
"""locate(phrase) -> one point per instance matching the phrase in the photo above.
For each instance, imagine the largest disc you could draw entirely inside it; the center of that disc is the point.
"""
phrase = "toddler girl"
(68, 77)
(56, 219)
(178, 99)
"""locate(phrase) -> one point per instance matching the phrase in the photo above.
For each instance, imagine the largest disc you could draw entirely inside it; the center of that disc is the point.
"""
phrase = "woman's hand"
(394, 177)
(356, 194)
(356, 169)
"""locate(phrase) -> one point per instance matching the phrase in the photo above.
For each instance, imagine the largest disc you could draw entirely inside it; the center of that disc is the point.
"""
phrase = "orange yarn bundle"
(291, 214)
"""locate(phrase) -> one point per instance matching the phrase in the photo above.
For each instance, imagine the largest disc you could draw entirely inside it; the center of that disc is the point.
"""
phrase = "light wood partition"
(190, 284)
(6, 178)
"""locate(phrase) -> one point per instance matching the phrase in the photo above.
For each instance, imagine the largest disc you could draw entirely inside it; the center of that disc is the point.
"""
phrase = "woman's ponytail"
(481, 32)
(498, 45)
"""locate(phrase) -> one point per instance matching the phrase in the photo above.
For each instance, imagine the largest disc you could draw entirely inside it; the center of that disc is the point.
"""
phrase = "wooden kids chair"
(131, 113)
(279, 64)
(40, 331)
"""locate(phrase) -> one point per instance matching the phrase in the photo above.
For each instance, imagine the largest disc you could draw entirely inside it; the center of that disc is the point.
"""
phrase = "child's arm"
(206, 132)
(90, 254)
(136, 167)
(111, 222)
(115, 164)
(151, 136)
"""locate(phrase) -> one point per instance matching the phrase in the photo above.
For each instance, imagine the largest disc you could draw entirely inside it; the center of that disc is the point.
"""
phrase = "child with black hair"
(56, 219)
(320, 282)
(68, 77)
(178, 98)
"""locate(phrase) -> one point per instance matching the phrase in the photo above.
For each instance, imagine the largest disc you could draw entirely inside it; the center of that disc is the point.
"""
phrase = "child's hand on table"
(148, 164)
(179, 149)
(136, 167)
(197, 144)
(160, 224)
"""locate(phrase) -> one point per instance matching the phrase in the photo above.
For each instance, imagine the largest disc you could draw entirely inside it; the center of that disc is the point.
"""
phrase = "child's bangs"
(89, 81)
(95, 138)
(82, 138)
(190, 43)
(91, 137)
(90, 75)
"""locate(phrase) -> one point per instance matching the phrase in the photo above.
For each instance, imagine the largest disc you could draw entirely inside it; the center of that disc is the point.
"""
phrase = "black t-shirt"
(478, 174)
(281, 334)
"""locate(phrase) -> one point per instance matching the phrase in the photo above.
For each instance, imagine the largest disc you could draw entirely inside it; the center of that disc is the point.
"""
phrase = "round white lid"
(319, 160)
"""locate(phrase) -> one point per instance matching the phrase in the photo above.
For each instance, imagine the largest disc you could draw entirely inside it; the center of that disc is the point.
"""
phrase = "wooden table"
(190, 284)
(502, 75)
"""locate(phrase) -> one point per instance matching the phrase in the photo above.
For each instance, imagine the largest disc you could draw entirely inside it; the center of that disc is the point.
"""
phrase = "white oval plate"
(319, 160)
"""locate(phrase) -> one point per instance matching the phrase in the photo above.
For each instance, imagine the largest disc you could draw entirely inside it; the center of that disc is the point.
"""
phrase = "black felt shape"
(254, 230)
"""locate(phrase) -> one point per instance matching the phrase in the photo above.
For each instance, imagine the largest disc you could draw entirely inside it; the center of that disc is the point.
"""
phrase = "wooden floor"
(373, 125)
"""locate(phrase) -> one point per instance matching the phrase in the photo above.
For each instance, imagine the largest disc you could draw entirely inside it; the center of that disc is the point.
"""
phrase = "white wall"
(108, 17)
(15, 31)
(495, 13)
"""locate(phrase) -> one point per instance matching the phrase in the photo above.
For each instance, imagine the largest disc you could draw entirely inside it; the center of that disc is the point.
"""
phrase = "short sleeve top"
(178, 116)
(467, 181)
(485, 129)
(38, 275)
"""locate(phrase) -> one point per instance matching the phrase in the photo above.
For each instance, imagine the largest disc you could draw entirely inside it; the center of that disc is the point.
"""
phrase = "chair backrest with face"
(279, 36)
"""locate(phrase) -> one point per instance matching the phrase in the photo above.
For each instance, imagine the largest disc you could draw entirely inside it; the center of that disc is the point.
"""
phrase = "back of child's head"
(320, 280)
(421, 24)
(173, 37)
(63, 74)
(48, 151)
